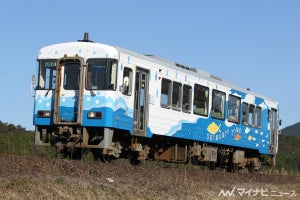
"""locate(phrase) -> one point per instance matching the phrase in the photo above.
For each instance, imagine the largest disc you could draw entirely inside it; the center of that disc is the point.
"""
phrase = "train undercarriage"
(107, 144)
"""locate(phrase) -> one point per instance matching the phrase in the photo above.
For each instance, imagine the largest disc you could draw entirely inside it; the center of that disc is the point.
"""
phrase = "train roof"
(83, 49)
(89, 49)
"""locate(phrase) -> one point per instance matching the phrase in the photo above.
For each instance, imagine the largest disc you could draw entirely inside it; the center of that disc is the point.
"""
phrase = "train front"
(75, 95)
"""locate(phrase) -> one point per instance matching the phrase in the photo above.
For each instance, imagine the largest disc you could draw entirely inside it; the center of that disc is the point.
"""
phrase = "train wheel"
(235, 167)
(106, 158)
(212, 165)
(133, 158)
(194, 160)
(76, 153)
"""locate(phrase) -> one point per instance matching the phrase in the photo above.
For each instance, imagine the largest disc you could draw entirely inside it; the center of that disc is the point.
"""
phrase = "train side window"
(166, 88)
(113, 75)
(127, 81)
(258, 117)
(176, 96)
(234, 104)
(274, 119)
(251, 115)
(245, 111)
(201, 96)
(187, 98)
(218, 104)
(269, 115)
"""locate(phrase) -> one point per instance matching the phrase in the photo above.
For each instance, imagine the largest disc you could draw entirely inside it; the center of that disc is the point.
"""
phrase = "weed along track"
(53, 178)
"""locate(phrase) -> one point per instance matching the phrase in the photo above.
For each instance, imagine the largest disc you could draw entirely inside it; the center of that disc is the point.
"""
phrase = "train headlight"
(94, 115)
(44, 113)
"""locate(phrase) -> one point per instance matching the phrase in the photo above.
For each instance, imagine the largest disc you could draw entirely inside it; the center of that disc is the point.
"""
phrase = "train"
(118, 103)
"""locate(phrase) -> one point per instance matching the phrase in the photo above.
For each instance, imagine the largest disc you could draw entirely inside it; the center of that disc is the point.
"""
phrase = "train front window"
(101, 74)
(47, 74)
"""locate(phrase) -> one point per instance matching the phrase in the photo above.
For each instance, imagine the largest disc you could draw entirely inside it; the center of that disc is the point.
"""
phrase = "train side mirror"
(121, 88)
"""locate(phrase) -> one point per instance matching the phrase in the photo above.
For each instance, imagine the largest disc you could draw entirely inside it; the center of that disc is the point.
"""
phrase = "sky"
(253, 44)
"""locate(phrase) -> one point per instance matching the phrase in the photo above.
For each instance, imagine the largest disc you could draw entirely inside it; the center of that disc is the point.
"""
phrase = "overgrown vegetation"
(15, 139)
(288, 157)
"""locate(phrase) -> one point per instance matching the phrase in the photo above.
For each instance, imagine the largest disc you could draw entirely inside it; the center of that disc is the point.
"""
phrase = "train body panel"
(186, 125)
(88, 86)
(43, 101)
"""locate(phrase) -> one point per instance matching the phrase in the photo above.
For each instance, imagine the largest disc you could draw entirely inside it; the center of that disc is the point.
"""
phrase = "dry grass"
(32, 177)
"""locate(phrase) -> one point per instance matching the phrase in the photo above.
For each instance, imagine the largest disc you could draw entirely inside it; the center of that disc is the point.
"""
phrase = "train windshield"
(47, 74)
(101, 74)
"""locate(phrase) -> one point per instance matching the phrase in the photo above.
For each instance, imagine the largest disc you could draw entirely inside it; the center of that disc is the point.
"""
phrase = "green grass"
(17, 143)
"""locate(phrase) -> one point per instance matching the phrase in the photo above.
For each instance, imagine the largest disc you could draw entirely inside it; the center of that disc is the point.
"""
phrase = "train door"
(273, 129)
(68, 92)
(140, 102)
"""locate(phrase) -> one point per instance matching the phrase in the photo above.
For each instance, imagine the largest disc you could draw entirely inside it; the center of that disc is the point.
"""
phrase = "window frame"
(187, 98)
(46, 75)
(237, 110)
(204, 101)
(71, 72)
(244, 116)
(215, 114)
(176, 92)
(258, 116)
(253, 120)
(166, 85)
(110, 76)
(251, 115)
